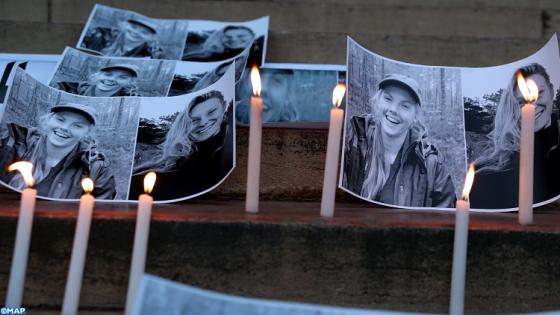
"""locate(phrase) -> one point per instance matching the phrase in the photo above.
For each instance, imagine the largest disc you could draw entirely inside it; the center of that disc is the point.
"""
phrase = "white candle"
(140, 241)
(255, 139)
(333, 149)
(526, 154)
(459, 257)
(23, 236)
(457, 301)
(79, 249)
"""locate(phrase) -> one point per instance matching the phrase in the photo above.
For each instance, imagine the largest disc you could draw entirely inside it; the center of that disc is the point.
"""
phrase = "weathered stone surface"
(339, 17)
(24, 10)
(304, 47)
(37, 38)
(364, 257)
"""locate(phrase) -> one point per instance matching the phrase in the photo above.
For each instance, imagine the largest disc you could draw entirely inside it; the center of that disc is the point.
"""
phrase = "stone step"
(363, 257)
(310, 47)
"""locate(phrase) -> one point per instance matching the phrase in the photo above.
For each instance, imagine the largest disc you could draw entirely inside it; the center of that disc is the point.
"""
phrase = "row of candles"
(77, 261)
(79, 248)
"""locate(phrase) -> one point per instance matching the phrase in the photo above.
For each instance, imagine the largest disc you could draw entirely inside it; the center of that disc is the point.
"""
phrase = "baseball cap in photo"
(404, 81)
(147, 24)
(128, 67)
(85, 110)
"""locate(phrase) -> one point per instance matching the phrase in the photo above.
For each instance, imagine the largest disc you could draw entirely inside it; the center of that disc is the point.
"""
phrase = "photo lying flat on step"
(160, 296)
(493, 103)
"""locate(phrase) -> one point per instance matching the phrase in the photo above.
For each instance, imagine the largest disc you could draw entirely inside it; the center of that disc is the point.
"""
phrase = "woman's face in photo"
(398, 110)
(113, 79)
(137, 33)
(543, 105)
(206, 118)
(274, 95)
(237, 38)
(66, 128)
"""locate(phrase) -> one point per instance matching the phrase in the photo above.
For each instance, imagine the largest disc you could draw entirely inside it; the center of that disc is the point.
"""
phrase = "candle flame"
(149, 182)
(25, 169)
(468, 182)
(528, 88)
(87, 185)
(256, 81)
(338, 94)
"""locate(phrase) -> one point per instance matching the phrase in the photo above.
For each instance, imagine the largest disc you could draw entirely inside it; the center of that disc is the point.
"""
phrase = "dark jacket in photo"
(500, 189)
(418, 177)
(86, 89)
(63, 180)
(210, 162)
(101, 37)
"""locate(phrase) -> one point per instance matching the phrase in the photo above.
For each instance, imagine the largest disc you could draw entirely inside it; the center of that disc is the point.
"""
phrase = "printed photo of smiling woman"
(63, 151)
(389, 158)
(113, 80)
(196, 153)
(498, 164)
(133, 37)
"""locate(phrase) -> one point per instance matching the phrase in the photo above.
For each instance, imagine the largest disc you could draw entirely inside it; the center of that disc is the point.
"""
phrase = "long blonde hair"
(36, 151)
(178, 144)
(376, 170)
(503, 141)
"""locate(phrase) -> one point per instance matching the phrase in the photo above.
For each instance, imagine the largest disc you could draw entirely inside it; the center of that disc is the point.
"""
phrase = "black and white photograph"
(290, 93)
(216, 41)
(191, 76)
(67, 137)
(492, 103)
(189, 142)
(122, 33)
(89, 75)
(404, 136)
(161, 296)
(38, 66)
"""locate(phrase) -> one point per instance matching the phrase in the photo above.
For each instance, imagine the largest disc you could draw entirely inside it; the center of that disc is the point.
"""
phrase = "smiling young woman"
(197, 151)
(389, 158)
(114, 80)
(62, 151)
(497, 176)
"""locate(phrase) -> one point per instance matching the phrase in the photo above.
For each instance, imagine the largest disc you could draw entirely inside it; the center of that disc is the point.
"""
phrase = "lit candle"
(530, 93)
(456, 305)
(140, 240)
(255, 138)
(23, 235)
(333, 148)
(79, 249)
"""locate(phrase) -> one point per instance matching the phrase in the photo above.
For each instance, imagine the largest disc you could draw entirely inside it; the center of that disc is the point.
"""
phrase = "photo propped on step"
(193, 76)
(215, 40)
(493, 103)
(90, 75)
(85, 74)
(404, 142)
(67, 137)
(122, 33)
(39, 66)
(189, 142)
